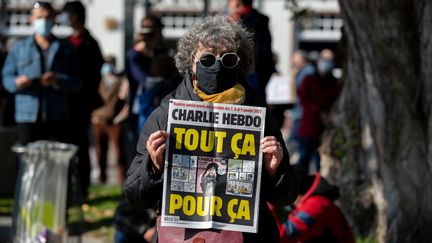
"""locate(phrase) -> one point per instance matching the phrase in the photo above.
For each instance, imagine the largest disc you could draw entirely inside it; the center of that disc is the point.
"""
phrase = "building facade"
(114, 23)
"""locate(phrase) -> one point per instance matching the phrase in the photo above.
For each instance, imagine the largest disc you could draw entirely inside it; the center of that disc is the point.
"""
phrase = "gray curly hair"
(216, 33)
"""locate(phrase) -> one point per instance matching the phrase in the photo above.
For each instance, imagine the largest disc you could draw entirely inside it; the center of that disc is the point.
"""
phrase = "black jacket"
(258, 24)
(144, 188)
(91, 60)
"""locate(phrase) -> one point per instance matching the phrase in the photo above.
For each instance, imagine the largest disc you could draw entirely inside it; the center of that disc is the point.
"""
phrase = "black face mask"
(215, 79)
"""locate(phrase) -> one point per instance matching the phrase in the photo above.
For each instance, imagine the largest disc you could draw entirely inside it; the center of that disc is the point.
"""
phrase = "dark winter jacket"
(143, 186)
(258, 24)
(91, 60)
(317, 218)
(317, 95)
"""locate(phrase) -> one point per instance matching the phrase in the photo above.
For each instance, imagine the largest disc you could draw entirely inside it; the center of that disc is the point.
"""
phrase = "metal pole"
(147, 7)
(206, 8)
(129, 24)
(3, 8)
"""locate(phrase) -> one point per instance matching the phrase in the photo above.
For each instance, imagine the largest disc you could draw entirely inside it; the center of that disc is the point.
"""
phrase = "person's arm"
(281, 187)
(137, 70)
(306, 222)
(95, 73)
(307, 97)
(68, 78)
(10, 72)
(143, 184)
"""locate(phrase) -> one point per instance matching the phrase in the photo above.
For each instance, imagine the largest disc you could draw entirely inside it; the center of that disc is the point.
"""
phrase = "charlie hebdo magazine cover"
(213, 166)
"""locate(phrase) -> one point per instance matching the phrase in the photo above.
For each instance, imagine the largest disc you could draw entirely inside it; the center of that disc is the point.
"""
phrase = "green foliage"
(297, 11)
(343, 145)
(368, 239)
(6, 206)
(98, 212)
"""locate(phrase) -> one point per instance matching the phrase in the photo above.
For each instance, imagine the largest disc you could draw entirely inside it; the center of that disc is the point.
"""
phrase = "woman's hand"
(273, 154)
(156, 148)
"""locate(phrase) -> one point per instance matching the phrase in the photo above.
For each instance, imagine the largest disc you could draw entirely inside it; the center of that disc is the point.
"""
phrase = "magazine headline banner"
(212, 172)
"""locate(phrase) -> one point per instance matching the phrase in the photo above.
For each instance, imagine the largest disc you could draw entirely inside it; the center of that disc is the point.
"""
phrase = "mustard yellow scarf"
(234, 95)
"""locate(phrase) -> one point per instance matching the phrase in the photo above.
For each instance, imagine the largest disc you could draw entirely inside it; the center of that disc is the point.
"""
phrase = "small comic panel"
(177, 160)
(232, 175)
(189, 187)
(248, 166)
(185, 161)
(180, 174)
(245, 188)
(192, 175)
(250, 177)
(239, 188)
(177, 186)
(235, 165)
(193, 161)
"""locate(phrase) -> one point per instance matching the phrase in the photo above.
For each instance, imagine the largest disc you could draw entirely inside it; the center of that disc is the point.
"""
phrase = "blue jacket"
(24, 59)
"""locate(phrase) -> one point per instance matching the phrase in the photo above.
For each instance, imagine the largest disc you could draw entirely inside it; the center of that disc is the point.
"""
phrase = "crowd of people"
(64, 89)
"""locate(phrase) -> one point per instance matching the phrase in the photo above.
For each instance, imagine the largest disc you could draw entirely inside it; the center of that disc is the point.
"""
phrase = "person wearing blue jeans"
(41, 71)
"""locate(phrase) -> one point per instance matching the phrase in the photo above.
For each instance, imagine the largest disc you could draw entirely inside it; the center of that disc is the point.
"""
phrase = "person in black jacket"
(87, 99)
(214, 57)
(7, 106)
(258, 24)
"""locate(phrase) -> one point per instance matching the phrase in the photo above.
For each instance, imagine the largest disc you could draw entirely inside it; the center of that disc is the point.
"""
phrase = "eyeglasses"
(228, 60)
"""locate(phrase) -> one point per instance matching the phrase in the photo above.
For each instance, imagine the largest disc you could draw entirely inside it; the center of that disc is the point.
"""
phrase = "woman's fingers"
(156, 147)
(267, 143)
(161, 149)
(156, 143)
(273, 154)
(156, 139)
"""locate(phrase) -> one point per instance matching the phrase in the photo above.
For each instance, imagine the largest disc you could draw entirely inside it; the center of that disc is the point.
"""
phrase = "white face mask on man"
(43, 26)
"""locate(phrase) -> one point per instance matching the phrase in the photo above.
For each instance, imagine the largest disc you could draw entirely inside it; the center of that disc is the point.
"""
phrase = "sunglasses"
(228, 60)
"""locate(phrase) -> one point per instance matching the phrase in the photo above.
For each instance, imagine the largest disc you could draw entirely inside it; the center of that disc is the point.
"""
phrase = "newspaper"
(212, 173)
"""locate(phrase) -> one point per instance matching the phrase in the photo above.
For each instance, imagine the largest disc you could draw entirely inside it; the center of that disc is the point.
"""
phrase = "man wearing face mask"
(84, 102)
(317, 94)
(41, 71)
(149, 58)
(300, 68)
(257, 23)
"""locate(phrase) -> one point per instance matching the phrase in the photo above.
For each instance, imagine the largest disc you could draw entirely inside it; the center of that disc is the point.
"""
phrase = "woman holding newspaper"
(215, 57)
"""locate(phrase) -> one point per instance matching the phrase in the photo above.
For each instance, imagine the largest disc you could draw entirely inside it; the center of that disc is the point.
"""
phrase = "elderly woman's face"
(203, 50)
(215, 70)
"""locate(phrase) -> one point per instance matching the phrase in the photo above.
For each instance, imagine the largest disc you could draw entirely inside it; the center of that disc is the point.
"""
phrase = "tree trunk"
(380, 152)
